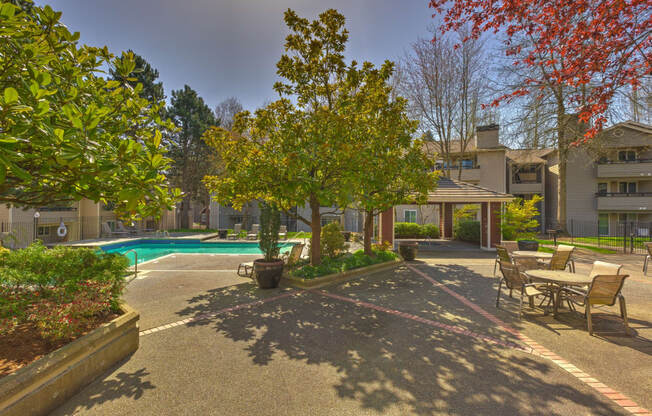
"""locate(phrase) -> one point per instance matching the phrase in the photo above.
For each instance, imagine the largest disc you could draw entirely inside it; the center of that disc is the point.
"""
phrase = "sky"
(224, 48)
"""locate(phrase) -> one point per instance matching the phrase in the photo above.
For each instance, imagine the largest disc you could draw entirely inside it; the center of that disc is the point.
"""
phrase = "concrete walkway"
(422, 339)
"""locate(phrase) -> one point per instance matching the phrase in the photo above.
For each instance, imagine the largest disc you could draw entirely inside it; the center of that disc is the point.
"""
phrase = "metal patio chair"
(236, 232)
(603, 290)
(515, 280)
(502, 254)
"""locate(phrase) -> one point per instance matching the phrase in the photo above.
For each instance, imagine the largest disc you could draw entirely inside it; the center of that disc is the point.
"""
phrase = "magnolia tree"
(518, 219)
(67, 133)
(317, 144)
(597, 46)
(393, 169)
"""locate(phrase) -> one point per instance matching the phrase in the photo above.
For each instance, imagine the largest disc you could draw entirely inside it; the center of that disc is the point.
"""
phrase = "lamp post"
(36, 217)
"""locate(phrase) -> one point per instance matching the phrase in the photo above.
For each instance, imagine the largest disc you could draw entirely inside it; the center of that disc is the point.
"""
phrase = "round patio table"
(560, 279)
(536, 254)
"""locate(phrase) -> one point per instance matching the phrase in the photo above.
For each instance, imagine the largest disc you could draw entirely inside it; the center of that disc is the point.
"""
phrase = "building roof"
(642, 127)
(525, 156)
(451, 190)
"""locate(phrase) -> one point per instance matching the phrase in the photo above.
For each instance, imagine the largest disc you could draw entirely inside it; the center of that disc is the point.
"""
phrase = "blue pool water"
(152, 249)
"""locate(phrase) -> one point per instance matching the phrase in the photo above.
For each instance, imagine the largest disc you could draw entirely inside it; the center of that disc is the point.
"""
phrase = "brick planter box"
(338, 277)
(43, 385)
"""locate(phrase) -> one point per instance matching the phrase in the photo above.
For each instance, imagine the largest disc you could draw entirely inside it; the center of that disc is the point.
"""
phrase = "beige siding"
(493, 166)
(426, 214)
(624, 170)
(581, 186)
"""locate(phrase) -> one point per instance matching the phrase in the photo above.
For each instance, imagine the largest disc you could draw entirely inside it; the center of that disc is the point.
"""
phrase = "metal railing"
(623, 237)
(623, 194)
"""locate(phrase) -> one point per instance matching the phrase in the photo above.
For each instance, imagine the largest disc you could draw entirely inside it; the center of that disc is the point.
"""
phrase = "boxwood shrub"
(467, 231)
(413, 230)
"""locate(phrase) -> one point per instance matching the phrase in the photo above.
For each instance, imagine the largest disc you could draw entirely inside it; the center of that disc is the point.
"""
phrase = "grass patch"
(299, 234)
(588, 247)
(348, 261)
(193, 230)
(546, 249)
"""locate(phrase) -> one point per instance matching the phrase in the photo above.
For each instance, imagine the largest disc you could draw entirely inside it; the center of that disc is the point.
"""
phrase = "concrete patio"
(422, 339)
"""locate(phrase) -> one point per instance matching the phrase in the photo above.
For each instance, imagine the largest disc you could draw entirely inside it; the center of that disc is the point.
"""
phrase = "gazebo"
(449, 193)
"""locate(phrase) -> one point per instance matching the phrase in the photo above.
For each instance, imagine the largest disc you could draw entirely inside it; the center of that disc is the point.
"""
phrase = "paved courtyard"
(422, 339)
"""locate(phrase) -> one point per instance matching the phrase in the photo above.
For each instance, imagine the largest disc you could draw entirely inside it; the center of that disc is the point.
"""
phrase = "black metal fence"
(622, 236)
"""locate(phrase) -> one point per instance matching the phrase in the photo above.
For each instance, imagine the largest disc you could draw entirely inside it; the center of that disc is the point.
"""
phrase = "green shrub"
(414, 230)
(343, 263)
(58, 289)
(518, 220)
(332, 240)
(270, 223)
(467, 231)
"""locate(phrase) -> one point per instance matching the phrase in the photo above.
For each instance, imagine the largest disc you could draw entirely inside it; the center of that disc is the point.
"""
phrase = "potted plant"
(268, 270)
(408, 249)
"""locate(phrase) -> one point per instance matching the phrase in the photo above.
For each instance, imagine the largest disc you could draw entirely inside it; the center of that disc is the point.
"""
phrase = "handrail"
(619, 162)
(135, 261)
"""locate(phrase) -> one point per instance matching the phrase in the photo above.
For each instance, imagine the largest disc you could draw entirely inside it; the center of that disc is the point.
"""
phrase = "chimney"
(486, 137)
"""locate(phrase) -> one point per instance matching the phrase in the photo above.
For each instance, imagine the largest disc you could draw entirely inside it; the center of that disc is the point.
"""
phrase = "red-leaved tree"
(602, 45)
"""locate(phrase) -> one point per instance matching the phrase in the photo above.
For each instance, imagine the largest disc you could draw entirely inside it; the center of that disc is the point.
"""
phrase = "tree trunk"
(185, 208)
(368, 232)
(315, 225)
(562, 149)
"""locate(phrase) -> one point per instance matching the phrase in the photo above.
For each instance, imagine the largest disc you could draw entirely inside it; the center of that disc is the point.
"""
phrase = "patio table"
(560, 279)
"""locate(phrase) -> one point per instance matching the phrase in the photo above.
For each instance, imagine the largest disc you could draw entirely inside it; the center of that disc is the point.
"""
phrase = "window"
(410, 215)
(626, 155)
(43, 230)
(627, 218)
(603, 224)
(627, 187)
(602, 188)
(467, 164)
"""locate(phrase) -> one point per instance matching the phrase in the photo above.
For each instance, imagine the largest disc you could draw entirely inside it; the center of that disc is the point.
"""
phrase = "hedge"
(413, 230)
(467, 231)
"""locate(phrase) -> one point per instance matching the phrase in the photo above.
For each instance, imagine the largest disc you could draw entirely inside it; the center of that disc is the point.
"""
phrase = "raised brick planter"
(337, 277)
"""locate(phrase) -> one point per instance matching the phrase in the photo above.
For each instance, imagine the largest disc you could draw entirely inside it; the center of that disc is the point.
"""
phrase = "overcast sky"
(225, 48)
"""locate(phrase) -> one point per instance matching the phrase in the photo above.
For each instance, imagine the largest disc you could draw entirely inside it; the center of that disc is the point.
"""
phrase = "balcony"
(621, 201)
(526, 183)
(625, 169)
(468, 175)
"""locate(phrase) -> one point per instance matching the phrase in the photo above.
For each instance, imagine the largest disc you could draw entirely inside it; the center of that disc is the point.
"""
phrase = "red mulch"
(24, 345)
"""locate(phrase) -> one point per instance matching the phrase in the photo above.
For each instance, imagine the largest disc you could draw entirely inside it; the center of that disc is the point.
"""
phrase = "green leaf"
(7, 10)
(42, 108)
(3, 173)
(11, 95)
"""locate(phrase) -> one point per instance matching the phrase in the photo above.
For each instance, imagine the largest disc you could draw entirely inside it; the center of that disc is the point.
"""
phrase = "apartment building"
(82, 220)
(609, 181)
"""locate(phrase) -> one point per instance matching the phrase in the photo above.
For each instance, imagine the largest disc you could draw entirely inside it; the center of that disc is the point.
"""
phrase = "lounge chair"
(246, 269)
(648, 246)
(121, 228)
(106, 230)
(501, 255)
(253, 234)
(283, 232)
(515, 280)
(236, 232)
(603, 290)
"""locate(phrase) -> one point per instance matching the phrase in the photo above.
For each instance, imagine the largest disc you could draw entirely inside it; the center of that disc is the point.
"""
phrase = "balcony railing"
(625, 169)
(623, 194)
(616, 162)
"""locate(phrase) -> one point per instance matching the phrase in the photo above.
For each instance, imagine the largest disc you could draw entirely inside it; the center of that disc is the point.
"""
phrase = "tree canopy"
(66, 132)
(143, 74)
(600, 45)
(312, 146)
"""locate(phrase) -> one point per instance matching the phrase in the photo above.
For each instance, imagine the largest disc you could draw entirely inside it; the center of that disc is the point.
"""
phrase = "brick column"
(386, 226)
(495, 208)
(484, 222)
(448, 220)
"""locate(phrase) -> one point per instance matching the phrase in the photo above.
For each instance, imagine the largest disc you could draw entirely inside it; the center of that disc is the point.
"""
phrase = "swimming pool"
(152, 249)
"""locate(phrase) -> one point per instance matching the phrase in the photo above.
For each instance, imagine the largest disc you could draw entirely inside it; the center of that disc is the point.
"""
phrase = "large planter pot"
(528, 245)
(43, 385)
(223, 233)
(268, 274)
(408, 250)
(346, 235)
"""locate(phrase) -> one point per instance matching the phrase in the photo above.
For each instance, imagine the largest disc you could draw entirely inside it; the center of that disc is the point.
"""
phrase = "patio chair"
(106, 230)
(253, 235)
(532, 263)
(501, 255)
(602, 267)
(561, 258)
(289, 259)
(603, 290)
(515, 280)
(283, 232)
(511, 246)
(236, 232)
(648, 246)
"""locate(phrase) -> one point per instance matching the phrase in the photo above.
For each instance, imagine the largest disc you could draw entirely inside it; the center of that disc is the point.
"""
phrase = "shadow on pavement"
(384, 361)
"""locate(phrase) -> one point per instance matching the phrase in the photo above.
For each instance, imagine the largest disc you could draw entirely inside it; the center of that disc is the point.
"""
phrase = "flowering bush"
(61, 290)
